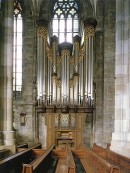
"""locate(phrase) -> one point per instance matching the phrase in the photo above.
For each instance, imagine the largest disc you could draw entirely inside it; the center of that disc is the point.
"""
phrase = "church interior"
(64, 79)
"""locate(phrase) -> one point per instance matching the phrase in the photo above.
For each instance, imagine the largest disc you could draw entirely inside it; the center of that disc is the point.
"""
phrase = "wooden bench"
(65, 162)
(70, 162)
(122, 161)
(93, 163)
(21, 147)
(60, 155)
(15, 161)
(42, 162)
(4, 153)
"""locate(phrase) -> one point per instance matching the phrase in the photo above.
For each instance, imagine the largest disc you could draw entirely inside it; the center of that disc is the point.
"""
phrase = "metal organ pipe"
(77, 40)
(49, 90)
(65, 50)
(89, 25)
(64, 74)
(44, 71)
(54, 43)
(42, 61)
(65, 80)
(39, 69)
(81, 83)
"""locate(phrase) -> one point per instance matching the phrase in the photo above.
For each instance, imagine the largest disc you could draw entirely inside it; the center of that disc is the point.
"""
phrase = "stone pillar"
(42, 61)
(121, 135)
(99, 79)
(89, 25)
(1, 79)
(7, 63)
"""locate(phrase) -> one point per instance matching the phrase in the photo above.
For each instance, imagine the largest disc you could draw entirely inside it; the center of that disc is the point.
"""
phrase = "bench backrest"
(30, 168)
(59, 153)
(70, 161)
(21, 147)
(96, 163)
(17, 159)
(112, 156)
(101, 164)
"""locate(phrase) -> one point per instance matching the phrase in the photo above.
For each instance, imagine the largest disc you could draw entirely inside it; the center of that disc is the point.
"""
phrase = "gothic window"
(65, 20)
(17, 51)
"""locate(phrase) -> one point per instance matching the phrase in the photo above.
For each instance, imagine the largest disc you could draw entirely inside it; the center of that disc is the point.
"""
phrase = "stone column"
(1, 79)
(121, 135)
(89, 25)
(7, 63)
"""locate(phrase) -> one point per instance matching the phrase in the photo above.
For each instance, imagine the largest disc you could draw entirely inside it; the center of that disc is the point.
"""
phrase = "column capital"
(90, 22)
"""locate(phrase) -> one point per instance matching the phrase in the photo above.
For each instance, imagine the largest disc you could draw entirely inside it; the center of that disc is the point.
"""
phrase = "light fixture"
(23, 118)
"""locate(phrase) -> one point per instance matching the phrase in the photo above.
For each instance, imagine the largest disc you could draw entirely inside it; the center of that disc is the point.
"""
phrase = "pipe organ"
(64, 85)
(65, 71)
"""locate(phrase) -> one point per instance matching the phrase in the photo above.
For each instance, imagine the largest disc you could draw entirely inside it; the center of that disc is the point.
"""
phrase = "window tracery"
(65, 20)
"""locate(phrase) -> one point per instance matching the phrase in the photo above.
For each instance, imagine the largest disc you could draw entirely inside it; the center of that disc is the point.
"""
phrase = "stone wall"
(104, 71)
(27, 103)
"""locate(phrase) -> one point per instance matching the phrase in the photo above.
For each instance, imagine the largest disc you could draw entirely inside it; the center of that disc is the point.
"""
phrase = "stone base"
(2, 147)
(9, 138)
(120, 143)
(12, 148)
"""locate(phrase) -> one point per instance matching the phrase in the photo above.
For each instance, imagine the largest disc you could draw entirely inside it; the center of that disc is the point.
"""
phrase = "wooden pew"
(65, 162)
(15, 161)
(42, 162)
(21, 147)
(122, 161)
(70, 161)
(4, 153)
(61, 156)
(93, 163)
